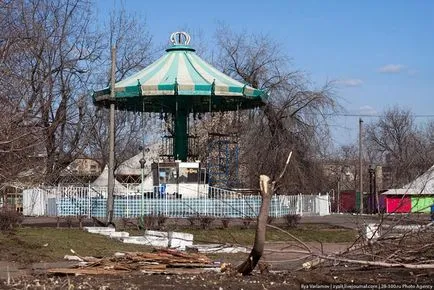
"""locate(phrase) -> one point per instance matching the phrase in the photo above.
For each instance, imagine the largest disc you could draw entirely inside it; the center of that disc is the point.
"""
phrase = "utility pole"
(360, 164)
(111, 178)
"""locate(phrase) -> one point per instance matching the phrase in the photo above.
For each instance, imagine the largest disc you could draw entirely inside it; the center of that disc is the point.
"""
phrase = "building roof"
(424, 184)
(132, 165)
(102, 181)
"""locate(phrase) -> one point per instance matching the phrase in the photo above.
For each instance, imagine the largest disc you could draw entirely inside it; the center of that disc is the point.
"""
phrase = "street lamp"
(142, 162)
(372, 189)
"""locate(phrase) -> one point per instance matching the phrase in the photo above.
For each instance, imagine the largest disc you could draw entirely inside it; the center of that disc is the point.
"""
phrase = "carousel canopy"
(181, 79)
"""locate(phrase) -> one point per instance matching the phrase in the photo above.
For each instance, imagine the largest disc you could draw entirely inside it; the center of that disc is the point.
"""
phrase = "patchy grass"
(28, 245)
(305, 232)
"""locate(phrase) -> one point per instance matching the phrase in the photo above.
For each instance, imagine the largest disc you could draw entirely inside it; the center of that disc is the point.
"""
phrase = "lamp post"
(339, 195)
(372, 200)
(142, 162)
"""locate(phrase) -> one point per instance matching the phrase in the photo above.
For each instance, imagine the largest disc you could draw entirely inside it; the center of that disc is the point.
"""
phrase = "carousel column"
(180, 142)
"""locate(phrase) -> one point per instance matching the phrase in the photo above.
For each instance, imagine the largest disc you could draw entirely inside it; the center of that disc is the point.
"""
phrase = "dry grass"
(29, 245)
(305, 232)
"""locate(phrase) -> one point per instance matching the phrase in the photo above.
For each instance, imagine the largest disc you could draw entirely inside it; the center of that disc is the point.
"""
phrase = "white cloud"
(350, 82)
(367, 110)
(391, 68)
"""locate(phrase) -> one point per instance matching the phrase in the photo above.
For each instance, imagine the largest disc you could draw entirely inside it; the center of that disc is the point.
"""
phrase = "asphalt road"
(351, 221)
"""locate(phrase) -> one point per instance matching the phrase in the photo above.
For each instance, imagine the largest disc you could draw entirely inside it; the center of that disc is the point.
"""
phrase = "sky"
(379, 53)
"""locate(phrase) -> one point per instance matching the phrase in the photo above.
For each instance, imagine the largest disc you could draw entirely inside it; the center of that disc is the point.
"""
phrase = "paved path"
(278, 254)
(351, 221)
(357, 221)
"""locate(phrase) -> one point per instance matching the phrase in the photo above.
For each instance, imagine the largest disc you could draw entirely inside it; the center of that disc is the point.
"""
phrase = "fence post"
(89, 192)
(300, 209)
(165, 205)
(206, 206)
(128, 201)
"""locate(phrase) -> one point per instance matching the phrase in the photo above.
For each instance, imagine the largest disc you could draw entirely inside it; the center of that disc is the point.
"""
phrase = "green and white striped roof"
(181, 76)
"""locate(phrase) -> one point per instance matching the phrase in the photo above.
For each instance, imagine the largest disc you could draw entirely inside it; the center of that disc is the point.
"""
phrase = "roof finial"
(177, 37)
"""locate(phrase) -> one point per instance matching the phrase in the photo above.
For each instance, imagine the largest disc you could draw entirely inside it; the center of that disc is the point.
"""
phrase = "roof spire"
(180, 36)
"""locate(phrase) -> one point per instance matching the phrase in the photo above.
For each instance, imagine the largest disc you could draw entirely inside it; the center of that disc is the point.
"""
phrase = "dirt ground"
(285, 272)
(280, 280)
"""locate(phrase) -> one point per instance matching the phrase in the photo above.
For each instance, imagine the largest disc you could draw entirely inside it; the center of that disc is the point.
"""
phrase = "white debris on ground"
(162, 239)
(218, 248)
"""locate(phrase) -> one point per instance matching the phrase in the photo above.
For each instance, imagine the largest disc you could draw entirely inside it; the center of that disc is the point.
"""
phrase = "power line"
(379, 115)
(366, 115)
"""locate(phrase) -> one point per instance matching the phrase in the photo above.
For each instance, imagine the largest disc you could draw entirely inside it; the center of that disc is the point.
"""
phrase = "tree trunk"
(258, 247)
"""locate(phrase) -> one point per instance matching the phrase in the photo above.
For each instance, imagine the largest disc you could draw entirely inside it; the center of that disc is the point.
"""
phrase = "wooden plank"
(85, 271)
(177, 271)
(191, 265)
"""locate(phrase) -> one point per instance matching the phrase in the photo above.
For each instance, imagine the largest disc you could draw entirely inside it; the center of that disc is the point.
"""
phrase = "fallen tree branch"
(292, 236)
(378, 263)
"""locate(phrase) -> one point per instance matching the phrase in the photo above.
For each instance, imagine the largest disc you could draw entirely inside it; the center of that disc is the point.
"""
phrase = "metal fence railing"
(92, 202)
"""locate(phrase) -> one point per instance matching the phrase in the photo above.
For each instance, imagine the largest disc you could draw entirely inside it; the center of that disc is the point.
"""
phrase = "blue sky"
(381, 53)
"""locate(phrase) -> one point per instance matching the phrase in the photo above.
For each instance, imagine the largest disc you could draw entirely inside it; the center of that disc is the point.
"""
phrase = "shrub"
(205, 222)
(246, 222)
(125, 222)
(270, 219)
(161, 221)
(81, 218)
(193, 220)
(225, 222)
(292, 220)
(9, 219)
(148, 222)
(68, 221)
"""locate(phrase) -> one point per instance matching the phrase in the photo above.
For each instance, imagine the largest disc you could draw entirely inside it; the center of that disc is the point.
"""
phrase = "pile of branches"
(412, 249)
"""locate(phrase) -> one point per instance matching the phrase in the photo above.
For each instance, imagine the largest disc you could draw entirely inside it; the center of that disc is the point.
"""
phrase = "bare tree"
(20, 137)
(133, 52)
(51, 56)
(51, 74)
(395, 140)
(295, 115)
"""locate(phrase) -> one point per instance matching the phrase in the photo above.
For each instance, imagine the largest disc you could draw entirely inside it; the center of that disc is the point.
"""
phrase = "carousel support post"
(180, 144)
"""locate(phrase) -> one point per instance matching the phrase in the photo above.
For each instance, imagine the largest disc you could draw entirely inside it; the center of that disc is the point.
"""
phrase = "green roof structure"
(180, 83)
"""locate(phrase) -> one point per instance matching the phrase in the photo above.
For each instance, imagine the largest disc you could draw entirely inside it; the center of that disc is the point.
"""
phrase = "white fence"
(91, 202)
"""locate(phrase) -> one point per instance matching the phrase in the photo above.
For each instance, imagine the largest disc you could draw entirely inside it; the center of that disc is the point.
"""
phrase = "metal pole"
(377, 199)
(360, 165)
(371, 190)
(142, 178)
(339, 196)
(111, 183)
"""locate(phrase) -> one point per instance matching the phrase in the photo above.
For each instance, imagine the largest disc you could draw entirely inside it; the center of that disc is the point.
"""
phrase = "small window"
(167, 175)
(188, 175)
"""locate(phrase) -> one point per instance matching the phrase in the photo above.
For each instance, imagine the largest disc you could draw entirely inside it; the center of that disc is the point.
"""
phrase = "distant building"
(84, 166)
(81, 171)
(344, 174)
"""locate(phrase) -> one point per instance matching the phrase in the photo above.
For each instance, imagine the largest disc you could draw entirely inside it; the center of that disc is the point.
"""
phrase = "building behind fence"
(91, 202)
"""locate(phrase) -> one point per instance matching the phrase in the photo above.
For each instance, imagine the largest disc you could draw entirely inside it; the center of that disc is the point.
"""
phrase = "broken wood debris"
(163, 261)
